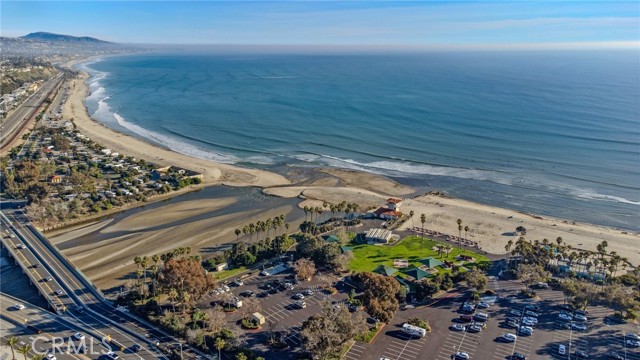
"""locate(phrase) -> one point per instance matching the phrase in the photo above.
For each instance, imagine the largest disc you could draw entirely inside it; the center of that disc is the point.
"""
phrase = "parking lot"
(598, 340)
(278, 307)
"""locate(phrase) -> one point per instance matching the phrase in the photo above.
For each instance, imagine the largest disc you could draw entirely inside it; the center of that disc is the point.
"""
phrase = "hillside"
(46, 36)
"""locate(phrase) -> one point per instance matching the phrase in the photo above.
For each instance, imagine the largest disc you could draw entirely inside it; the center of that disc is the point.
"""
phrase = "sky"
(436, 24)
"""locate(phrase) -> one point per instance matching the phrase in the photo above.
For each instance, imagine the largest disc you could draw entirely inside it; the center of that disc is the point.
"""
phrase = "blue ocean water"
(553, 133)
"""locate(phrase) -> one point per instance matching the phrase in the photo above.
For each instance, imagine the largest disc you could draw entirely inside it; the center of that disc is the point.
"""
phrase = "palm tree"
(24, 350)
(173, 295)
(38, 357)
(423, 219)
(220, 343)
(411, 213)
(144, 262)
(237, 231)
(12, 343)
(466, 230)
(459, 221)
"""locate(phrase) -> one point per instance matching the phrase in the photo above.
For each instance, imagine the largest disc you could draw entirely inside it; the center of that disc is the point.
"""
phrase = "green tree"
(24, 350)
(12, 344)
(219, 345)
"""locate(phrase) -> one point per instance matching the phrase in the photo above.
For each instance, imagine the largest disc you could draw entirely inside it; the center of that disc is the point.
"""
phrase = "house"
(385, 270)
(430, 262)
(222, 266)
(379, 236)
(346, 249)
(106, 151)
(394, 204)
(386, 213)
(331, 239)
(55, 179)
(418, 274)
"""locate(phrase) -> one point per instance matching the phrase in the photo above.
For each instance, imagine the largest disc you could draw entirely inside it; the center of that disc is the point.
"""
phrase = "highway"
(101, 315)
(78, 301)
(19, 116)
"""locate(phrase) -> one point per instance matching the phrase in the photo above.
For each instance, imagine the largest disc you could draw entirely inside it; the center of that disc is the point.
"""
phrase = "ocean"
(551, 133)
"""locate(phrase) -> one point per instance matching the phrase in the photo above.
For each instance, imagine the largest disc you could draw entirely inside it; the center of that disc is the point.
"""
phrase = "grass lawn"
(412, 248)
(221, 275)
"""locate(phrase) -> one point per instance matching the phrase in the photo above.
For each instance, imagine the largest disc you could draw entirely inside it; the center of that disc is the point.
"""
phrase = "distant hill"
(46, 36)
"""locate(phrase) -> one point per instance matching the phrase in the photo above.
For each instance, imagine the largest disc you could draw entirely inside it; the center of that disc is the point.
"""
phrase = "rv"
(414, 330)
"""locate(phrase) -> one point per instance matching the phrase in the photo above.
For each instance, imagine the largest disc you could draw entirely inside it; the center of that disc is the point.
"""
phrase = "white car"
(59, 292)
(531, 313)
(529, 321)
(78, 336)
(508, 337)
(632, 343)
(113, 356)
(562, 350)
(527, 330)
(483, 305)
(51, 357)
(457, 327)
(226, 288)
(565, 317)
(239, 282)
(309, 292)
(633, 336)
(20, 246)
(462, 356)
(580, 317)
(580, 327)
(515, 312)
(18, 306)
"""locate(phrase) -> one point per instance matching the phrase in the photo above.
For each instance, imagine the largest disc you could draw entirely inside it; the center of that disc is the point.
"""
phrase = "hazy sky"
(523, 24)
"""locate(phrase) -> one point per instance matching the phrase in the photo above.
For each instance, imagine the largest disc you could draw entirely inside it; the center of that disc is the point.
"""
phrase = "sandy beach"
(214, 173)
(104, 250)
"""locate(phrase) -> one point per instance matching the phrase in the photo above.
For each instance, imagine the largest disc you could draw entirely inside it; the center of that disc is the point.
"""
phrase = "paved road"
(102, 320)
(13, 123)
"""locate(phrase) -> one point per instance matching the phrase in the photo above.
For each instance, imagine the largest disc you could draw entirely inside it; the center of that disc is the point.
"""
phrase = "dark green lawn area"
(412, 248)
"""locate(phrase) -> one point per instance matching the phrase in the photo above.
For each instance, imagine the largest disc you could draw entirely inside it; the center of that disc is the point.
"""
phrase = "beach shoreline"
(490, 226)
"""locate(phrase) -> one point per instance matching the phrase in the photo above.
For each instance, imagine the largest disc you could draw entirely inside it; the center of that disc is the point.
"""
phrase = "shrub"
(420, 323)
(249, 324)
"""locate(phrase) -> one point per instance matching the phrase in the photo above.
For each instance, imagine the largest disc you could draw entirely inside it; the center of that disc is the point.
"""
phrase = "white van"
(414, 330)
(481, 317)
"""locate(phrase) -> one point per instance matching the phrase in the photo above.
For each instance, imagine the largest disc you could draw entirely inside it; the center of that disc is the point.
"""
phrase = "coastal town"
(118, 247)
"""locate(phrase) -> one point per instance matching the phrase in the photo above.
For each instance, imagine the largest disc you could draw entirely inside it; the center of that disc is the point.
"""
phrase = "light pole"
(179, 343)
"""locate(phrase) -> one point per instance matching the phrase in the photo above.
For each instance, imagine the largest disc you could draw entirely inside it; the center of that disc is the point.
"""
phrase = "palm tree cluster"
(276, 223)
(547, 253)
(338, 211)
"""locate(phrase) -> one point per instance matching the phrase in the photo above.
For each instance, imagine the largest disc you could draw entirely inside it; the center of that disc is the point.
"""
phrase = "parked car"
(113, 356)
(457, 327)
(59, 292)
(238, 282)
(580, 327)
(247, 293)
(580, 317)
(508, 337)
(632, 343)
(581, 312)
(51, 357)
(460, 355)
(298, 296)
(581, 355)
(18, 307)
(614, 356)
(513, 324)
(308, 292)
(562, 350)
(301, 304)
(78, 336)
(515, 312)
(541, 285)
(529, 321)
(136, 347)
(633, 336)
(518, 356)
(531, 313)
(565, 317)
(525, 330)
(483, 305)
(474, 328)
(20, 246)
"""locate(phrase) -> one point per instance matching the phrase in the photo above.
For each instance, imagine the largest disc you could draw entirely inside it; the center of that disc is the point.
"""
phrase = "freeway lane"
(13, 123)
(81, 288)
(78, 295)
